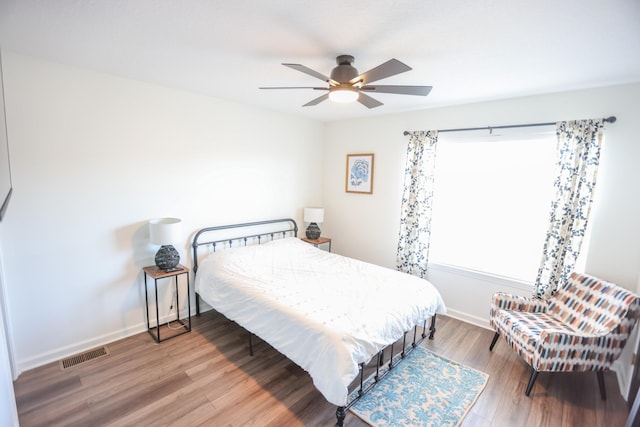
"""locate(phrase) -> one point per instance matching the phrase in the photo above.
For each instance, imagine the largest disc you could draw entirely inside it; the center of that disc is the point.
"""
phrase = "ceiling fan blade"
(294, 87)
(313, 73)
(368, 101)
(317, 101)
(400, 90)
(382, 71)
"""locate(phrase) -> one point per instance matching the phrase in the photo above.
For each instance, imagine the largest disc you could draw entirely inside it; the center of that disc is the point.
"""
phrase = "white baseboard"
(468, 318)
(70, 350)
(624, 378)
(62, 352)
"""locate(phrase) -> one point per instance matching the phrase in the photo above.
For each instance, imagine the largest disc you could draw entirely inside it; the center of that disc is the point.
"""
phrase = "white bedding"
(325, 312)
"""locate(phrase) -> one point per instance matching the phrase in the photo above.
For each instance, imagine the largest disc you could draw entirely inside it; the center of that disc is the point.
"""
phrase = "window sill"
(482, 276)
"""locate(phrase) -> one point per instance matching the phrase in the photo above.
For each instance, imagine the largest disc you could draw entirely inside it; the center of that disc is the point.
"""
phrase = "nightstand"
(319, 241)
(185, 326)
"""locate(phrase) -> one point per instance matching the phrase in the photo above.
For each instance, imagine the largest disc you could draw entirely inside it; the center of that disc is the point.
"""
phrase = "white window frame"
(502, 135)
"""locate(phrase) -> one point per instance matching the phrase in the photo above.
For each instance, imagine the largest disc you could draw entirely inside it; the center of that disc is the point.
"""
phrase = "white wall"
(8, 410)
(93, 158)
(366, 226)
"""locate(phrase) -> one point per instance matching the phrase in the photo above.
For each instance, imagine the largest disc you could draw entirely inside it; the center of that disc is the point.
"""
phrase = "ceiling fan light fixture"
(343, 95)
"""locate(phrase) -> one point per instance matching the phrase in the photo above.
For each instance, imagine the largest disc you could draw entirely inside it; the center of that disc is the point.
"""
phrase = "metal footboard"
(362, 390)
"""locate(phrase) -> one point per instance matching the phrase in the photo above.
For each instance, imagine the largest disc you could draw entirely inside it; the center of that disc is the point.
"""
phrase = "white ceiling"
(468, 50)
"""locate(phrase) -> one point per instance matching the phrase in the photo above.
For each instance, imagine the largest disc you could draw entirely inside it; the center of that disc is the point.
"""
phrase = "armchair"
(583, 327)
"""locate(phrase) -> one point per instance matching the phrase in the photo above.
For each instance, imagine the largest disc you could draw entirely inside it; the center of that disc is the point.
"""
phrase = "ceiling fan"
(346, 85)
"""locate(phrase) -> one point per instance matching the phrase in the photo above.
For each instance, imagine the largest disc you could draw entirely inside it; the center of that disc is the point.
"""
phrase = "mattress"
(325, 312)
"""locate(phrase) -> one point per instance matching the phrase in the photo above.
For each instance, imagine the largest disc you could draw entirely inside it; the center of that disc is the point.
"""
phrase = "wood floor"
(207, 378)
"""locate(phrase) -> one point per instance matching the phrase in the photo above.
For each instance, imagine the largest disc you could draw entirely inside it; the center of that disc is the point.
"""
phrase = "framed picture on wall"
(359, 173)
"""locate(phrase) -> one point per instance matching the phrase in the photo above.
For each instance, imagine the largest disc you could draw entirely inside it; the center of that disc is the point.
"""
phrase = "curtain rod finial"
(611, 119)
(405, 133)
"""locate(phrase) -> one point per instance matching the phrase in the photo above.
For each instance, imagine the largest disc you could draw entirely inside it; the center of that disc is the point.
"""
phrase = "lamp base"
(167, 258)
(313, 231)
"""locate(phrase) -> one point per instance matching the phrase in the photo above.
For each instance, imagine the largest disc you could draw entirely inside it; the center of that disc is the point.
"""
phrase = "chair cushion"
(523, 330)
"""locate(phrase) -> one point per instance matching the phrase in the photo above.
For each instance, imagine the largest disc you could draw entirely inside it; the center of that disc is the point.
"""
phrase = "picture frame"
(359, 177)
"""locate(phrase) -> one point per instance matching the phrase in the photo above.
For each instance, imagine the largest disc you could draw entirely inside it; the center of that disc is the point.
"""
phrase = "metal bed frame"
(289, 227)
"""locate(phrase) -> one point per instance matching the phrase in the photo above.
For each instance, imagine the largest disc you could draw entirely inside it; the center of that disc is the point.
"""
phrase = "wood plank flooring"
(207, 378)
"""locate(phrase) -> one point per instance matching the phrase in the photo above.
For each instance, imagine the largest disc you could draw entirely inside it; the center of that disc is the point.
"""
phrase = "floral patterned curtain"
(578, 151)
(415, 215)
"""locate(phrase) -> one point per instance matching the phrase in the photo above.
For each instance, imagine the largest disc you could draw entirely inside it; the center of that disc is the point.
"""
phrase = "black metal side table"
(155, 273)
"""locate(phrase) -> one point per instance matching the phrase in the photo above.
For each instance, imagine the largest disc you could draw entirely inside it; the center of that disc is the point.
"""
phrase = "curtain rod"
(611, 119)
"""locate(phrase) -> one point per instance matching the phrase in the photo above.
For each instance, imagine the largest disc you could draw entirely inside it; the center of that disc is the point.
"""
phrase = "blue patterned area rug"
(424, 390)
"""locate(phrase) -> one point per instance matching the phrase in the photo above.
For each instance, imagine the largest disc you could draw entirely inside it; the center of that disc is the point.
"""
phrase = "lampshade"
(314, 215)
(343, 95)
(164, 231)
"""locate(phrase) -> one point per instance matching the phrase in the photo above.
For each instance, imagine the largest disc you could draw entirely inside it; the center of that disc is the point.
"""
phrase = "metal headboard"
(288, 227)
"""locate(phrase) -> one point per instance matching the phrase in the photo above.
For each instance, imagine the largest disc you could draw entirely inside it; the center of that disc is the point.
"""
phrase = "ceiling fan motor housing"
(344, 71)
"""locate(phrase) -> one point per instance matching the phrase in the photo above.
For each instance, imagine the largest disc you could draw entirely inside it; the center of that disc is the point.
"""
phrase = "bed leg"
(250, 344)
(340, 414)
(197, 305)
(404, 344)
(432, 327)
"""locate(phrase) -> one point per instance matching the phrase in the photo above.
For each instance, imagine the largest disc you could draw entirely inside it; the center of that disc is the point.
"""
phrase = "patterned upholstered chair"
(583, 327)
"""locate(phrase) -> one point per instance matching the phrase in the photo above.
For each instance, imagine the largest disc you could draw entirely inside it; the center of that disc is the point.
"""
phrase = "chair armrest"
(511, 302)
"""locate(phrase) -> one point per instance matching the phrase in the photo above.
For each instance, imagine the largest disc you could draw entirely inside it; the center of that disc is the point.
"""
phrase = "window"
(492, 195)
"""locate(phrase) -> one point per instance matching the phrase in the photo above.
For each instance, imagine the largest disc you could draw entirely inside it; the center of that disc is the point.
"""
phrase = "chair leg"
(532, 380)
(603, 391)
(493, 342)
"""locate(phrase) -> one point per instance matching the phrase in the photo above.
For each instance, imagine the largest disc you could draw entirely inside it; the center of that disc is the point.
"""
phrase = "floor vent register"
(83, 357)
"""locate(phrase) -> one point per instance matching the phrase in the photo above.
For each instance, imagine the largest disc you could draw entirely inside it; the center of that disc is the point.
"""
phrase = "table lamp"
(165, 232)
(313, 216)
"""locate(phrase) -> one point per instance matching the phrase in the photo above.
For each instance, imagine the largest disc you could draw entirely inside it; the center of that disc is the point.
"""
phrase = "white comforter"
(325, 312)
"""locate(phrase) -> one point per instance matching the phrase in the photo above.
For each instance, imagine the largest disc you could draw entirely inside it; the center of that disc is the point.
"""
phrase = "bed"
(329, 314)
